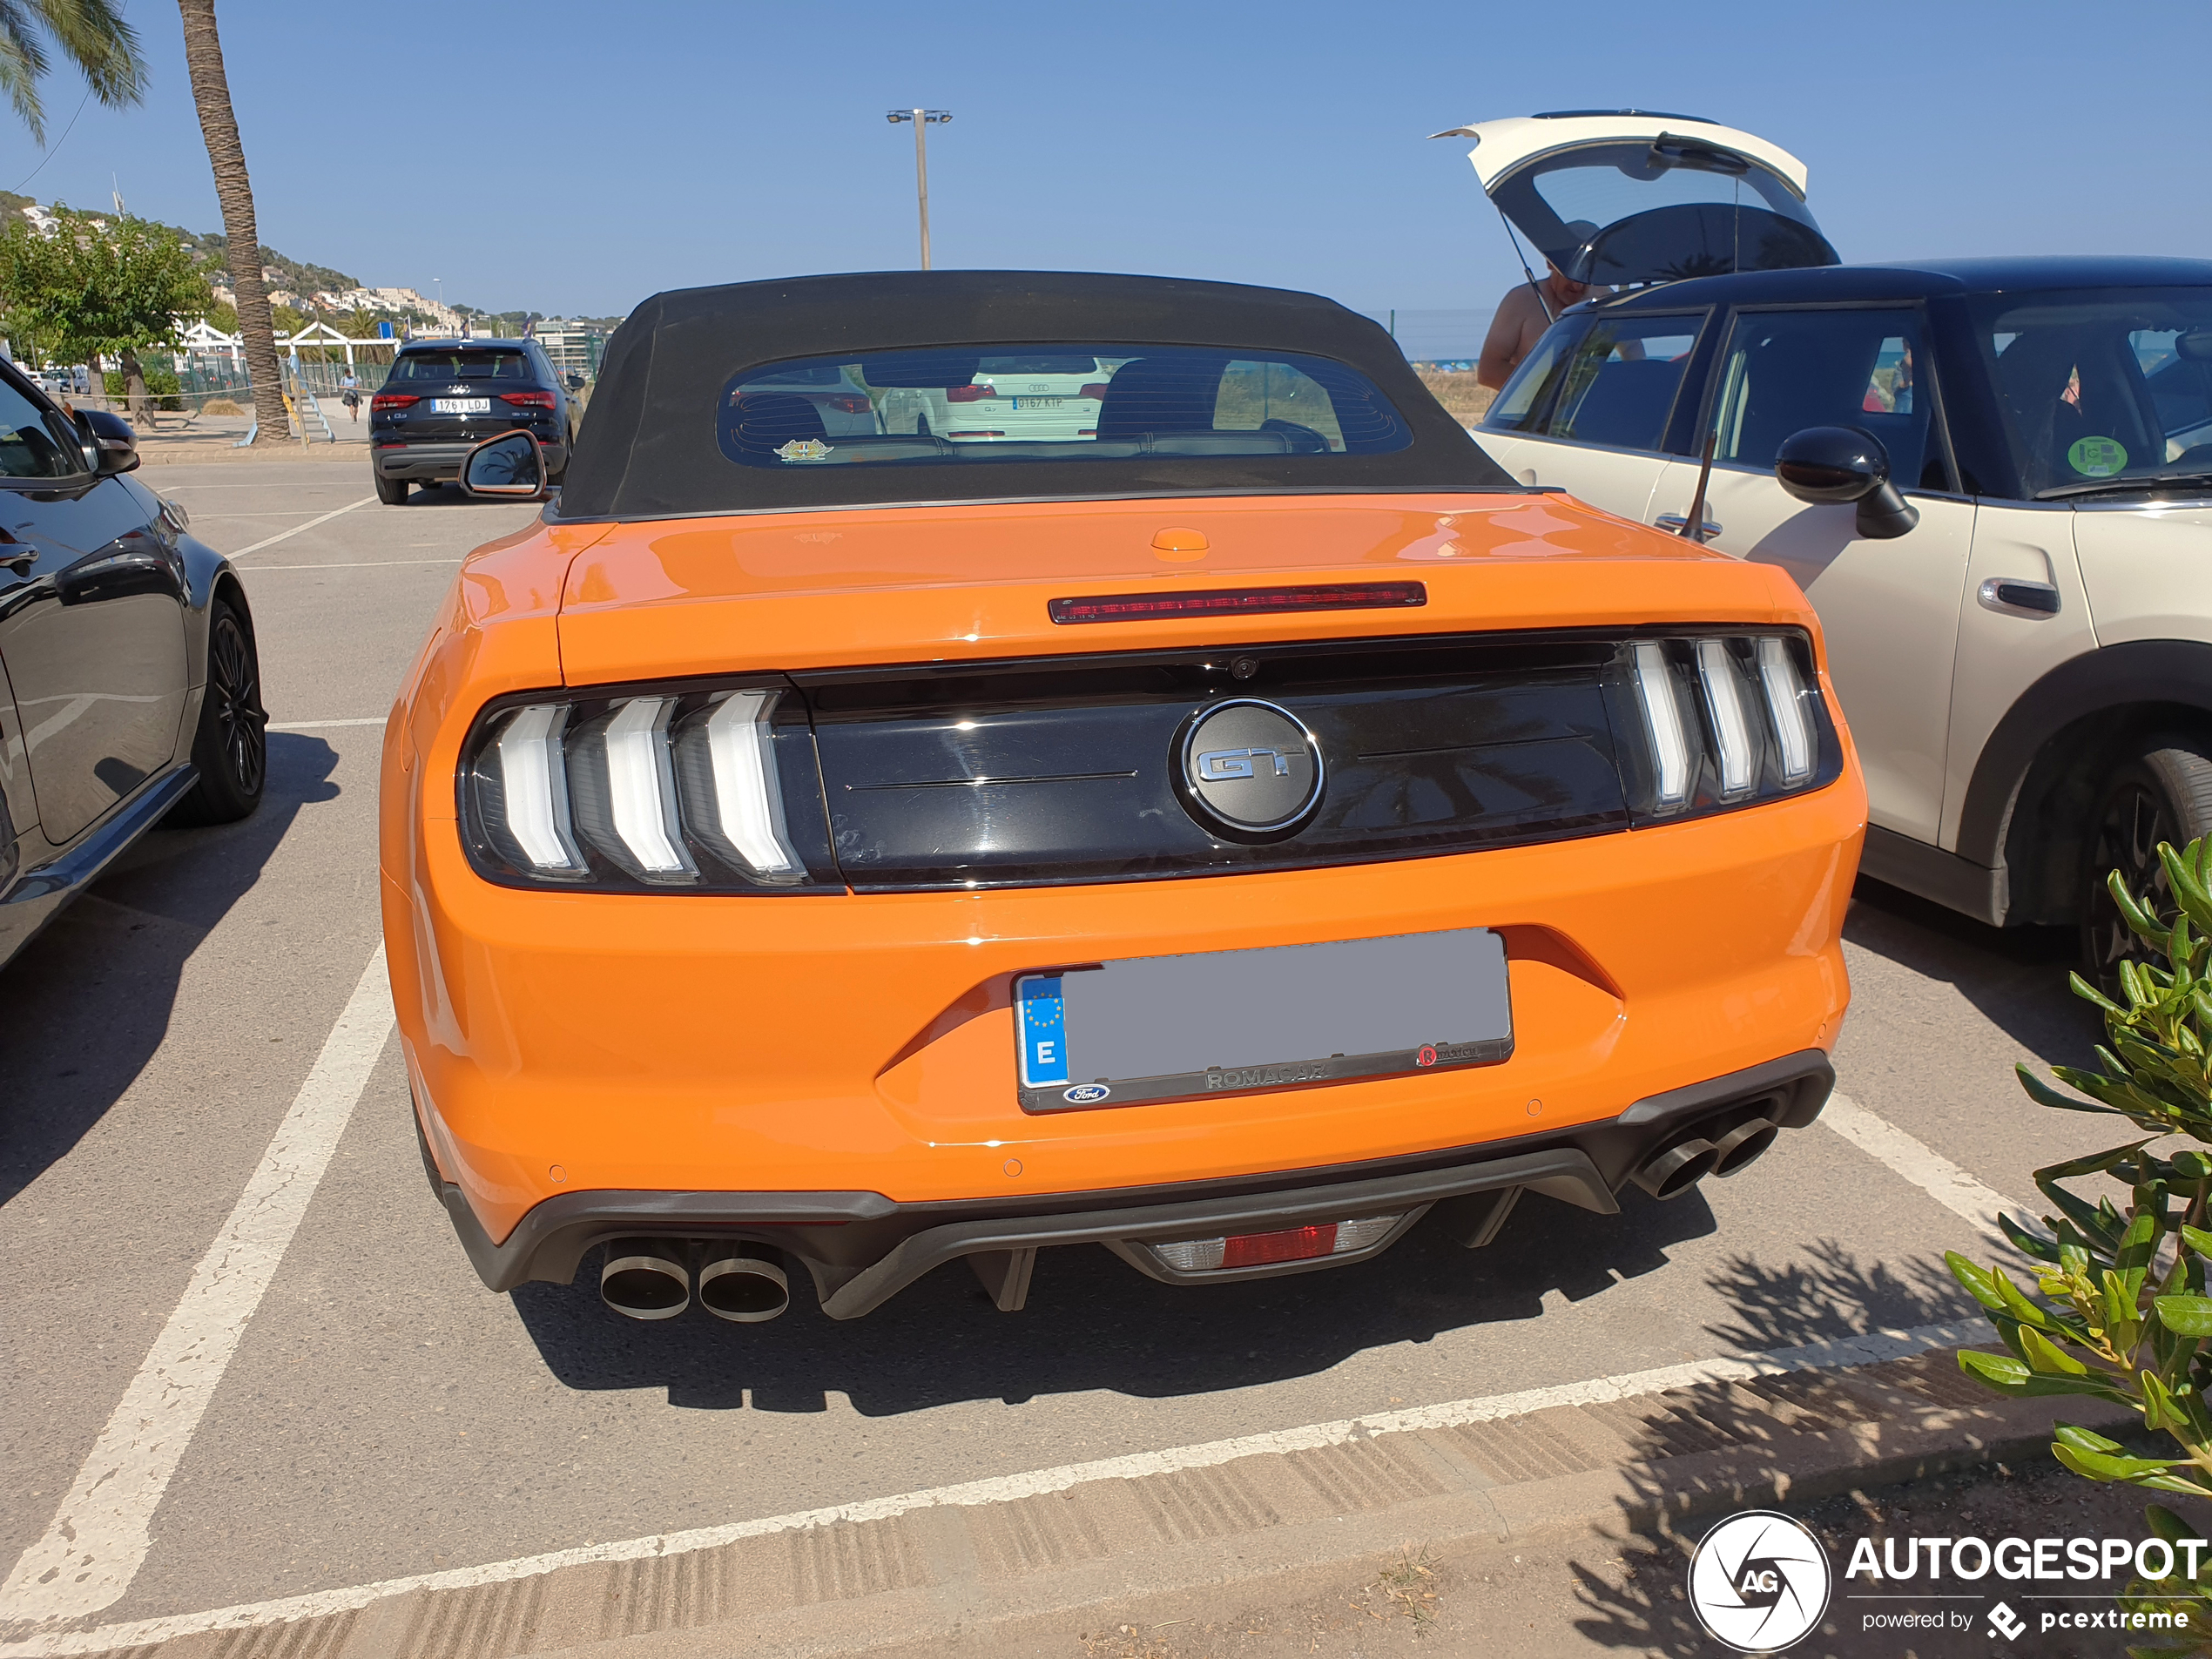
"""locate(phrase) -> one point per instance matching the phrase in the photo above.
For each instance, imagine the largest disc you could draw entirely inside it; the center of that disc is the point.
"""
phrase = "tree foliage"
(2119, 1309)
(96, 284)
(91, 33)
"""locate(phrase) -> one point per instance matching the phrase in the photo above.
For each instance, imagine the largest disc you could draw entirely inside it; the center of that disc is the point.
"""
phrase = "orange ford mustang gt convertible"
(1193, 803)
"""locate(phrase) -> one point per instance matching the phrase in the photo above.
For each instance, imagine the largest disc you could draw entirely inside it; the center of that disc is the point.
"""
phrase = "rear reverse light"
(1239, 602)
(969, 394)
(1724, 688)
(1095, 388)
(392, 401)
(528, 399)
(1728, 720)
(1265, 1250)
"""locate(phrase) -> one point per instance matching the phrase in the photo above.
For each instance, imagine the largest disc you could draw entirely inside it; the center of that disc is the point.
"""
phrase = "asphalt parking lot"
(383, 1415)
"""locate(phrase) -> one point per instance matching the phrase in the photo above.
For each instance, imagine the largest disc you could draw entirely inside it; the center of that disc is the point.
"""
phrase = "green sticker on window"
(2097, 457)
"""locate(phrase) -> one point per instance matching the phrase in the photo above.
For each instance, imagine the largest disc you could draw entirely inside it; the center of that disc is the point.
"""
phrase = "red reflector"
(1239, 602)
(975, 434)
(1295, 1245)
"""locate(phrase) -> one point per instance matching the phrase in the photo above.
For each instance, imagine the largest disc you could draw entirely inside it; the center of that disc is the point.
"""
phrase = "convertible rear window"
(971, 406)
(462, 365)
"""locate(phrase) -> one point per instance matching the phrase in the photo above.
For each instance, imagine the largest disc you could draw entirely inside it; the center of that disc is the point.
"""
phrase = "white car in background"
(843, 403)
(1037, 397)
(1992, 477)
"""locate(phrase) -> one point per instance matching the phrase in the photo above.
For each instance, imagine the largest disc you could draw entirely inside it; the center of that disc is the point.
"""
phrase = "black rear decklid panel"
(1066, 771)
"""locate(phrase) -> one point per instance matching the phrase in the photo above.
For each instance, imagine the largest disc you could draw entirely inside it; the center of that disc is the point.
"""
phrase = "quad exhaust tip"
(645, 1278)
(744, 1283)
(650, 1279)
(1673, 1170)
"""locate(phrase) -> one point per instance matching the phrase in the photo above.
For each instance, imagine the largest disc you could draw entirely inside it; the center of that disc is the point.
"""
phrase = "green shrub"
(161, 385)
(2119, 1310)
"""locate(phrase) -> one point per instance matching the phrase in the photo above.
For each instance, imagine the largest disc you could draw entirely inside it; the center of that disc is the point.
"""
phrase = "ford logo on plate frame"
(1086, 1094)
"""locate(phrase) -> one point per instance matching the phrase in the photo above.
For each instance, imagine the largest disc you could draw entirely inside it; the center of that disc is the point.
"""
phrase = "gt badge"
(805, 450)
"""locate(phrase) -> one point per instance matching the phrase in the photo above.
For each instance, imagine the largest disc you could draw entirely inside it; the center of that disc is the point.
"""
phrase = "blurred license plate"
(1038, 402)
(460, 405)
(1166, 1028)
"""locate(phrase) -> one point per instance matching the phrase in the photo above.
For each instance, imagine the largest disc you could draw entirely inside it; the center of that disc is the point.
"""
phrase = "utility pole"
(921, 118)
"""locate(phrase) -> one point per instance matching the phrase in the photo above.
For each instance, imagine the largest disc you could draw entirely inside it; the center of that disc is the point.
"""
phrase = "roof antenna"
(1550, 316)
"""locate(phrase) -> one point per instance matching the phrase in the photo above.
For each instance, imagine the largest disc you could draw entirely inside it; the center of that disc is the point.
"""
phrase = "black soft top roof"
(648, 447)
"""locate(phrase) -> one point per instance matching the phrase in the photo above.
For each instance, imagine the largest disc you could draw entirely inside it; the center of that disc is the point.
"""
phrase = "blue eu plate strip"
(1043, 1023)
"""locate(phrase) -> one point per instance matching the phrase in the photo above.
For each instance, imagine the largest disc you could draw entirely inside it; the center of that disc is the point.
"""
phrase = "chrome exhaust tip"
(1673, 1172)
(644, 1278)
(744, 1283)
(1744, 1145)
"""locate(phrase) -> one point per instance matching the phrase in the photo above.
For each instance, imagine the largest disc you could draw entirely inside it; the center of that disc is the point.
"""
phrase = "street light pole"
(921, 118)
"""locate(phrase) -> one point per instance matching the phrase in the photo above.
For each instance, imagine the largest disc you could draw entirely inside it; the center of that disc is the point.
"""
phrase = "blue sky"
(576, 156)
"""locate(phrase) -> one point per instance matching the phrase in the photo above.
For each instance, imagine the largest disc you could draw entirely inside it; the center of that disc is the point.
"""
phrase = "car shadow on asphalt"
(1094, 1322)
(90, 1000)
(2015, 976)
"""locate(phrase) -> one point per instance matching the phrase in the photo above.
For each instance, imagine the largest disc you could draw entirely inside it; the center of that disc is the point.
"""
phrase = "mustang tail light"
(528, 399)
(1266, 1249)
(669, 791)
(1726, 720)
(391, 400)
(970, 394)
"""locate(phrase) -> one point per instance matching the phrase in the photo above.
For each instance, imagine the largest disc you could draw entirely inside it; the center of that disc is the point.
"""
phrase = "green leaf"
(2192, 1166)
(1998, 1371)
(2028, 1244)
(2197, 1240)
(2138, 919)
(2141, 1240)
(2188, 891)
(1978, 1283)
(2164, 1523)
(2083, 1440)
(2099, 1465)
(2088, 993)
(2045, 1355)
(2187, 1315)
(2043, 1094)
(2017, 1304)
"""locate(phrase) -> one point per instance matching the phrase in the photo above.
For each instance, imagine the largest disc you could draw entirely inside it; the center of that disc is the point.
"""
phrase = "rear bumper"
(441, 462)
(862, 1247)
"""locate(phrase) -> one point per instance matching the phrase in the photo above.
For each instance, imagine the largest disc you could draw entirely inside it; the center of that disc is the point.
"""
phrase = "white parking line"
(1870, 1349)
(286, 535)
(1921, 1164)
(99, 1538)
(352, 564)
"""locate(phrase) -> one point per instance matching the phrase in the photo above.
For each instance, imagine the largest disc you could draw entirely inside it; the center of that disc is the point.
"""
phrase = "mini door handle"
(2017, 598)
(1674, 521)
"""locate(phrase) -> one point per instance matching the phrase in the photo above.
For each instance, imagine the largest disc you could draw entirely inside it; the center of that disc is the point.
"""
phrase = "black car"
(444, 397)
(132, 691)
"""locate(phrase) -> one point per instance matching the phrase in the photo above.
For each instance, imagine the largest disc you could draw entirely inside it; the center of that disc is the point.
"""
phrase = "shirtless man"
(1521, 321)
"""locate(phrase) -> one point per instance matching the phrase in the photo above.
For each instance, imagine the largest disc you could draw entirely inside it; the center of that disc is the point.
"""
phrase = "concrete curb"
(1206, 1541)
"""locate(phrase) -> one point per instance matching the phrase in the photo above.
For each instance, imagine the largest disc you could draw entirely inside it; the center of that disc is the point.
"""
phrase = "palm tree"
(92, 34)
(211, 91)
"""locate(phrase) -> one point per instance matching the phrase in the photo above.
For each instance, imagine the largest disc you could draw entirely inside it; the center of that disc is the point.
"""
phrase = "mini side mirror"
(507, 466)
(114, 445)
(1845, 463)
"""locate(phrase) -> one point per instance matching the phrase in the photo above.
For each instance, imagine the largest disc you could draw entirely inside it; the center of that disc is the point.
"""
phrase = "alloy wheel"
(233, 681)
